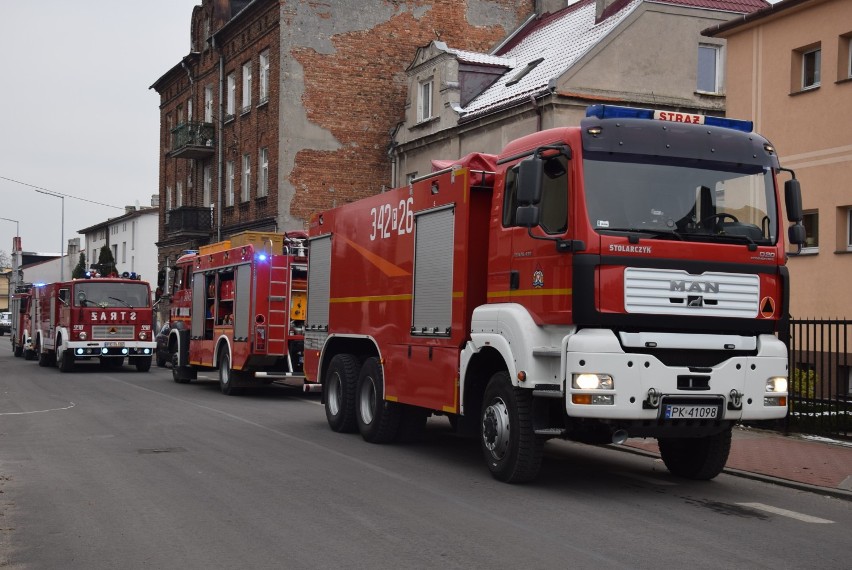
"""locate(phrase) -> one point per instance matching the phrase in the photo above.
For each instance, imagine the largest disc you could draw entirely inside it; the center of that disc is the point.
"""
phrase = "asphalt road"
(121, 469)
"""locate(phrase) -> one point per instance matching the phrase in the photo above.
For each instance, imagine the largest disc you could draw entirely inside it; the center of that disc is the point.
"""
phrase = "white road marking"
(786, 513)
(38, 411)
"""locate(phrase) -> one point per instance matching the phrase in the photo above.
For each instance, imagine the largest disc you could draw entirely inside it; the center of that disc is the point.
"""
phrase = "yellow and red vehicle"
(108, 318)
(20, 317)
(239, 306)
(620, 278)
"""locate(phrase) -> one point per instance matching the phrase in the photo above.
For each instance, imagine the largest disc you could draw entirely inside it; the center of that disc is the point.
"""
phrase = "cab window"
(554, 200)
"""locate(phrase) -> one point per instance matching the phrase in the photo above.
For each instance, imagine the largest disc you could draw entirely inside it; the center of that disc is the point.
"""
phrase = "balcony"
(189, 221)
(192, 140)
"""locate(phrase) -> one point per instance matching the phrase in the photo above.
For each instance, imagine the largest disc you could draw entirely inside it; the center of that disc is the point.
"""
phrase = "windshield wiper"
(654, 232)
(126, 304)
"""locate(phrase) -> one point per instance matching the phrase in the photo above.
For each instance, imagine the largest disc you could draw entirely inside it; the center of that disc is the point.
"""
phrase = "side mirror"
(530, 174)
(793, 200)
(527, 216)
(796, 234)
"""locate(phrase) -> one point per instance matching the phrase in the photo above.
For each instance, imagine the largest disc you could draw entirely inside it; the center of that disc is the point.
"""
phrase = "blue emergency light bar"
(617, 112)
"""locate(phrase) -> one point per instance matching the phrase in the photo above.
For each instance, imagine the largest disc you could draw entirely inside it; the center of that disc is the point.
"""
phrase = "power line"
(61, 194)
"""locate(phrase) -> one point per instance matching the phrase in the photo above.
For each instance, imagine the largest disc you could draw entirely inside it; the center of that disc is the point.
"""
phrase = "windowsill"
(424, 122)
(262, 198)
(806, 251)
(263, 103)
(229, 119)
(245, 110)
(844, 80)
(806, 90)
(714, 94)
(843, 251)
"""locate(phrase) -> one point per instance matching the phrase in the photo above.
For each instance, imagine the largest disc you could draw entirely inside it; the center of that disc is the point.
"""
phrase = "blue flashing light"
(261, 257)
(618, 112)
(736, 124)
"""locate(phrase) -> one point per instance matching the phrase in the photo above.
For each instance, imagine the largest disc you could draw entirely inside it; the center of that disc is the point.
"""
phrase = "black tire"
(142, 363)
(227, 376)
(30, 355)
(180, 374)
(699, 458)
(339, 385)
(161, 360)
(17, 350)
(64, 358)
(378, 419)
(511, 448)
(412, 423)
(45, 358)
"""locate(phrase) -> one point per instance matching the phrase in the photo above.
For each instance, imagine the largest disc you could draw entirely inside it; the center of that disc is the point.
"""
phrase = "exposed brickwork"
(358, 94)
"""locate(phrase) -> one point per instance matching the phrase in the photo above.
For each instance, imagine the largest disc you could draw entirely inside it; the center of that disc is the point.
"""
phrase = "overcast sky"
(77, 115)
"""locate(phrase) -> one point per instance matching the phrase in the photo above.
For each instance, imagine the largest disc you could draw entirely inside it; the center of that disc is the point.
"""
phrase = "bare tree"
(5, 260)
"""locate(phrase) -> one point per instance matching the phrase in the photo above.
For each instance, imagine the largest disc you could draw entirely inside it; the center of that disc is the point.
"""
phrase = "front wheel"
(511, 448)
(699, 458)
(378, 419)
(142, 363)
(64, 358)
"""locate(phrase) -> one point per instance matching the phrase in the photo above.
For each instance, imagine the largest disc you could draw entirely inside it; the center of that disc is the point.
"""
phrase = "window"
(811, 222)
(114, 251)
(180, 115)
(849, 229)
(246, 177)
(849, 57)
(124, 252)
(554, 196)
(229, 181)
(246, 87)
(264, 76)
(189, 111)
(524, 71)
(811, 69)
(168, 198)
(263, 174)
(709, 67)
(424, 101)
(207, 183)
(230, 109)
(208, 104)
(179, 195)
(409, 178)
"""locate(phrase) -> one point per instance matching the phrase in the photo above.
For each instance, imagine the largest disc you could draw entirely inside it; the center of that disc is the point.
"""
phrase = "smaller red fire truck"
(20, 316)
(239, 306)
(97, 317)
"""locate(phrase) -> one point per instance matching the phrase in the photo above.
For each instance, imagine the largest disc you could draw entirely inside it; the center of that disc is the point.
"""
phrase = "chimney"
(73, 247)
(549, 6)
(129, 209)
(601, 6)
(155, 200)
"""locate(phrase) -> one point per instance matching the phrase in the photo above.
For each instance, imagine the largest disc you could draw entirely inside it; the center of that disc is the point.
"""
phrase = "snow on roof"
(481, 58)
(553, 43)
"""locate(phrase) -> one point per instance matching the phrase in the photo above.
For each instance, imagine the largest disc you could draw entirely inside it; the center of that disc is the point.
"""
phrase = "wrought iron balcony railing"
(189, 221)
(192, 140)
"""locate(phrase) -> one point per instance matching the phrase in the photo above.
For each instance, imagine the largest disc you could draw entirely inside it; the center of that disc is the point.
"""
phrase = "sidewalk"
(801, 461)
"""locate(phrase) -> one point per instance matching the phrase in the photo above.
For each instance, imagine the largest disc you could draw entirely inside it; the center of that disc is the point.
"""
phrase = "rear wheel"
(180, 374)
(378, 419)
(45, 358)
(161, 360)
(339, 387)
(511, 448)
(142, 363)
(227, 377)
(699, 458)
(17, 349)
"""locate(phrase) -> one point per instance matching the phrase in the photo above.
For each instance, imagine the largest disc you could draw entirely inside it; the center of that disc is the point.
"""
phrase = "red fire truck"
(20, 316)
(239, 306)
(621, 278)
(108, 318)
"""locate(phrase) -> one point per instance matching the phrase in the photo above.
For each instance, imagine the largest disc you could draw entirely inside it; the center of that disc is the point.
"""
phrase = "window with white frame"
(207, 184)
(811, 68)
(849, 57)
(179, 194)
(424, 101)
(811, 222)
(189, 111)
(709, 68)
(168, 198)
(246, 185)
(263, 173)
(246, 87)
(231, 104)
(208, 104)
(229, 182)
(264, 76)
(124, 252)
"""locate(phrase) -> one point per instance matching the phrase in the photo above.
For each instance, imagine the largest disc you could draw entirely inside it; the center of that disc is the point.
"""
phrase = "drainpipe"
(219, 153)
(537, 113)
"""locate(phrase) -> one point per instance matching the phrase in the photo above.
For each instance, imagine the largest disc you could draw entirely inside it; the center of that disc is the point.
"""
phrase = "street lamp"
(17, 226)
(62, 232)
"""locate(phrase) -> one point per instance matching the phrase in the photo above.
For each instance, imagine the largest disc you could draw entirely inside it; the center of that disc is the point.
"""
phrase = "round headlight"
(83, 335)
(143, 335)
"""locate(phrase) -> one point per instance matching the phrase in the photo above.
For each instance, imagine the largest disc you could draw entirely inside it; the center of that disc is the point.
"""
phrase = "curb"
(835, 493)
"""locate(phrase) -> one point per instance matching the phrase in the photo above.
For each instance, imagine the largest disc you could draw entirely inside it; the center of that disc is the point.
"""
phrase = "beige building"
(789, 69)
(644, 53)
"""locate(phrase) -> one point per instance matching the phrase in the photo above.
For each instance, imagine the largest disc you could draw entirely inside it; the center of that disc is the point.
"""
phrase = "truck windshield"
(99, 294)
(686, 200)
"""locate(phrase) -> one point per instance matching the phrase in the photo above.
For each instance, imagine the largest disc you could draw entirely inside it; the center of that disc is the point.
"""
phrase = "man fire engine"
(108, 318)
(20, 316)
(621, 278)
(239, 306)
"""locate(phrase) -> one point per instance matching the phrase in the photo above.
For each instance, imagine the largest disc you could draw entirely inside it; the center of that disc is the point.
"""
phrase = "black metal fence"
(820, 377)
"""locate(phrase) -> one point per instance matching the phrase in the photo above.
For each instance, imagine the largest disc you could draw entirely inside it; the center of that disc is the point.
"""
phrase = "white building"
(131, 238)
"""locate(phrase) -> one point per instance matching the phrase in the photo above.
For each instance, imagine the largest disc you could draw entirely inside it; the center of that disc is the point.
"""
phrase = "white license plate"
(681, 412)
(113, 344)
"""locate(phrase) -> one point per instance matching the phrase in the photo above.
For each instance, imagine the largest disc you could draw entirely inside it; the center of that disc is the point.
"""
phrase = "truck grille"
(112, 332)
(676, 292)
